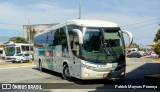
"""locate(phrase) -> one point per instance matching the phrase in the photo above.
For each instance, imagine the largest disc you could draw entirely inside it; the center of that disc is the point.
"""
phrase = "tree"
(156, 48)
(157, 36)
(18, 40)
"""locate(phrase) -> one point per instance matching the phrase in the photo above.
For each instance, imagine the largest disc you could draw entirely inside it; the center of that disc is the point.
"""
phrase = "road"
(136, 69)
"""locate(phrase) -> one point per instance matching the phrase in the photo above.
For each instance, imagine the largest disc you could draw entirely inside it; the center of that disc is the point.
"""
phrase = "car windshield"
(26, 54)
(99, 43)
(19, 54)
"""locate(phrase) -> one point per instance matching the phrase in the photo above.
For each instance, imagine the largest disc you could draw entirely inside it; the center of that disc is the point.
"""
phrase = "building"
(35, 29)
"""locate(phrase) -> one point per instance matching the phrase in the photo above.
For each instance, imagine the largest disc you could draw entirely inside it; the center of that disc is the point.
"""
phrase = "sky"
(140, 17)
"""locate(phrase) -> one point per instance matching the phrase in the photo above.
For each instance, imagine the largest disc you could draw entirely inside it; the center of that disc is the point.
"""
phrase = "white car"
(22, 58)
(154, 55)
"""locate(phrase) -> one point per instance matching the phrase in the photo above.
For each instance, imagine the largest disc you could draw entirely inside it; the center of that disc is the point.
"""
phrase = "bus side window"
(63, 37)
(64, 42)
(57, 38)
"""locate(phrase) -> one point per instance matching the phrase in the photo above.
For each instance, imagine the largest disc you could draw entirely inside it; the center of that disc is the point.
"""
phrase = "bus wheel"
(13, 61)
(40, 66)
(65, 73)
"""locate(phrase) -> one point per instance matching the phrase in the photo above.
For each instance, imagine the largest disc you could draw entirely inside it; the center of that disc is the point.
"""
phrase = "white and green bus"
(84, 49)
(12, 49)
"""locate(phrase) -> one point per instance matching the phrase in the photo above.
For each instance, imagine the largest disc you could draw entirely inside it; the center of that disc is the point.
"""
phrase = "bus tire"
(40, 66)
(65, 72)
(13, 61)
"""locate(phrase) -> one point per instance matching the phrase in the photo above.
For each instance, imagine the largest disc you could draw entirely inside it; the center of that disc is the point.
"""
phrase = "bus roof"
(85, 23)
(92, 23)
(17, 44)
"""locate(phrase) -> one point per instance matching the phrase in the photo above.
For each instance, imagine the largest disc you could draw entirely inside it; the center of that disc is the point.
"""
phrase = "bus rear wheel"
(13, 61)
(65, 73)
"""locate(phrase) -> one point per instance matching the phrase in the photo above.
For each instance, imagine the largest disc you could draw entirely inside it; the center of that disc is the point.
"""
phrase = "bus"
(12, 49)
(84, 49)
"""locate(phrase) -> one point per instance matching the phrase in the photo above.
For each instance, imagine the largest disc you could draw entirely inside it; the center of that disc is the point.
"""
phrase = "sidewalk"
(15, 65)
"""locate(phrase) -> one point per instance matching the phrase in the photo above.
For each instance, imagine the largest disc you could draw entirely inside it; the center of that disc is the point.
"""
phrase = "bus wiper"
(114, 55)
(106, 48)
(100, 49)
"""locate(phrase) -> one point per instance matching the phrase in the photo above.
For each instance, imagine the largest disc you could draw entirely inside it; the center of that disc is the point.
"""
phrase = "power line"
(140, 22)
(144, 25)
(3, 23)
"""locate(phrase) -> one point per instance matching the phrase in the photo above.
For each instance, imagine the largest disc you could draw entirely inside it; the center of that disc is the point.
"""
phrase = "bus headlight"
(88, 67)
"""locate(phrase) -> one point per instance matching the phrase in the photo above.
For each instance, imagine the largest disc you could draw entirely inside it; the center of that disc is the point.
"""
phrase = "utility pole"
(80, 10)
(29, 27)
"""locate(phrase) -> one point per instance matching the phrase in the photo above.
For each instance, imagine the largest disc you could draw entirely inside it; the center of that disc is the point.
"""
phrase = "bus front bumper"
(87, 74)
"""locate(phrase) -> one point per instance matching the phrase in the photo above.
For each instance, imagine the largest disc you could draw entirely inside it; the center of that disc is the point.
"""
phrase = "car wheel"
(21, 61)
(65, 73)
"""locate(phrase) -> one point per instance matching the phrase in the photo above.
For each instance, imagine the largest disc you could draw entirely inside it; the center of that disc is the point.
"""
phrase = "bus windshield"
(102, 44)
(10, 51)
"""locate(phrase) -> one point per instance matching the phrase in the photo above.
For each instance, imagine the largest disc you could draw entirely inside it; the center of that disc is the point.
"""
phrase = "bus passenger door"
(74, 44)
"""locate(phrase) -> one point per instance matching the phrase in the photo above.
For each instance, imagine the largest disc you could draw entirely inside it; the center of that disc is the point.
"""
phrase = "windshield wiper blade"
(106, 48)
(114, 53)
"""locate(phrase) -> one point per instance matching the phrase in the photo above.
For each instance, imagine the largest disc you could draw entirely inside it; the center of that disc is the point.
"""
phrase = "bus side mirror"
(80, 36)
(130, 36)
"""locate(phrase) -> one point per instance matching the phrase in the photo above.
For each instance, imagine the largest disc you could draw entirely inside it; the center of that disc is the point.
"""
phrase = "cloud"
(38, 13)
(132, 7)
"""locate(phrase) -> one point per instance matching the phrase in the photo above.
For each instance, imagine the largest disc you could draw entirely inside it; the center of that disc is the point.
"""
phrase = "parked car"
(154, 55)
(21, 57)
(134, 54)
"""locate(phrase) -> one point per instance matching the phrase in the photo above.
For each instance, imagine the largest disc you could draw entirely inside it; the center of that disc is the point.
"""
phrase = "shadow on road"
(137, 78)
(134, 77)
(49, 72)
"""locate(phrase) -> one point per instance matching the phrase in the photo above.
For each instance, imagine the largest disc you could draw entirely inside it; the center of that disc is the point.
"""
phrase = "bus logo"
(6, 86)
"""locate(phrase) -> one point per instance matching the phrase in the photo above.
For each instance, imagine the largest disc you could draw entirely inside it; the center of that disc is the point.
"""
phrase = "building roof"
(151, 44)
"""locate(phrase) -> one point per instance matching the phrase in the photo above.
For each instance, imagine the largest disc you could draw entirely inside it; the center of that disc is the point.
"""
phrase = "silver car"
(21, 58)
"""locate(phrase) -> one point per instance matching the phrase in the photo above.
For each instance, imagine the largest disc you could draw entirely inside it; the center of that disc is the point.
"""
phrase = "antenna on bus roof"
(79, 10)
